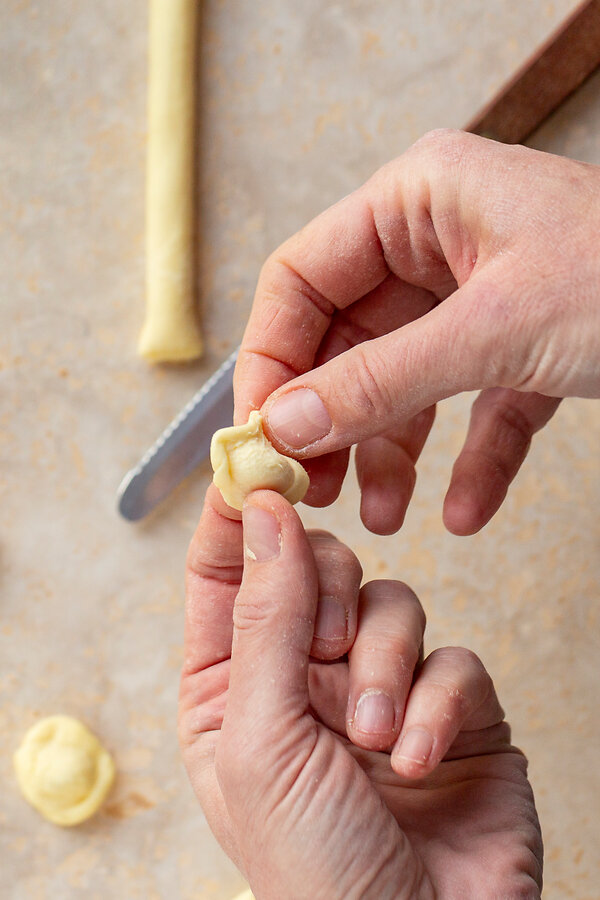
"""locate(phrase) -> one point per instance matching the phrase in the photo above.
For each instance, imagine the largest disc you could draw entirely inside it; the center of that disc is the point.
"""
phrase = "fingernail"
(262, 536)
(416, 745)
(299, 418)
(331, 623)
(374, 713)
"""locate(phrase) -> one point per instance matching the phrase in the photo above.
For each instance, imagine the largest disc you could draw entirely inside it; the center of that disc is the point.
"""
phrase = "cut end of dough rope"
(160, 342)
(243, 461)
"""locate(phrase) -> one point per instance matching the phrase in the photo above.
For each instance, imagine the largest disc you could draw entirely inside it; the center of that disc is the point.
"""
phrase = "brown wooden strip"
(555, 70)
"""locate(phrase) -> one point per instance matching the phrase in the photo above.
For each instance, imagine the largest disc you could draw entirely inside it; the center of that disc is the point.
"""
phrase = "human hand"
(427, 798)
(464, 264)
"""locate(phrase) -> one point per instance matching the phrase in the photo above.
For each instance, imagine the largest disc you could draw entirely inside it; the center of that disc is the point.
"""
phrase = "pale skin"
(462, 265)
(312, 790)
(330, 759)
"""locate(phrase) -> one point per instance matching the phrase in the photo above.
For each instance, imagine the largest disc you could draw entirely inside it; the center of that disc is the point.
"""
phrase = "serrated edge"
(181, 416)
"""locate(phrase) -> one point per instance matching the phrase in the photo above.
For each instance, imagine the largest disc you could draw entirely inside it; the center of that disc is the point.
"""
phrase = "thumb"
(382, 382)
(273, 618)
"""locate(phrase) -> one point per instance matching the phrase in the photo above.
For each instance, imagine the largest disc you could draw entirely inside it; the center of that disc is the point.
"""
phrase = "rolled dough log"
(171, 330)
(244, 460)
(63, 770)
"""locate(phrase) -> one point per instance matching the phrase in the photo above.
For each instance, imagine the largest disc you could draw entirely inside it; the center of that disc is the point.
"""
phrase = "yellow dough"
(171, 331)
(244, 460)
(63, 770)
(245, 895)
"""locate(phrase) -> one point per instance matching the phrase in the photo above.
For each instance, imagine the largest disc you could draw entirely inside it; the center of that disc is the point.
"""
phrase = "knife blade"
(182, 446)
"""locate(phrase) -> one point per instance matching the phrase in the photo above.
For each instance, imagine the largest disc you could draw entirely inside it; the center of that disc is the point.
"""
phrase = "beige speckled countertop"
(300, 103)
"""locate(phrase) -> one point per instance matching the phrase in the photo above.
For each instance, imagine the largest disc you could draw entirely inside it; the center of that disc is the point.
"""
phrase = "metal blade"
(181, 447)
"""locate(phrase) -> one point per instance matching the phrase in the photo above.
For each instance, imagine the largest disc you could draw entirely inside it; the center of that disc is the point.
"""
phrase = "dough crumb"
(63, 770)
(244, 460)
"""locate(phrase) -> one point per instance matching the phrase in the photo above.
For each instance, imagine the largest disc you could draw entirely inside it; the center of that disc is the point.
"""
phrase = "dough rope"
(171, 331)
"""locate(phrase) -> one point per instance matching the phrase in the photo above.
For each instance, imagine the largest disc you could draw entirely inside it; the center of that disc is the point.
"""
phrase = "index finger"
(332, 262)
(386, 226)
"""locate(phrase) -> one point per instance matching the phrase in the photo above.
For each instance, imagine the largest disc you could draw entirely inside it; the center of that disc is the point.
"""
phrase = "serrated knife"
(183, 445)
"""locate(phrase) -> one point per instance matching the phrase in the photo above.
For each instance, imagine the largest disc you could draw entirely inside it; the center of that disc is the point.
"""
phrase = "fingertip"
(340, 575)
(217, 540)
(372, 724)
(411, 769)
(386, 476)
(377, 743)
(465, 510)
(316, 498)
(214, 499)
(270, 525)
(334, 627)
(330, 650)
(381, 512)
(462, 514)
(269, 500)
(326, 474)
(296, 418)
(412, 757)
(262, 534)
(502, 424)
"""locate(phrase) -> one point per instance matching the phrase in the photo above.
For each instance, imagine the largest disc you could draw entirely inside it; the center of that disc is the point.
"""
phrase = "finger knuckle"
(454, 659)
(202, 698)
(193, 725)
(442, 143)
(320, 534)
(509, 432)
(457, 702)
(366, 384)
(515, 425)
(271, 270)
(462, 674)
(338, 563)
(253, 608)
(186, 731)
(380, 644)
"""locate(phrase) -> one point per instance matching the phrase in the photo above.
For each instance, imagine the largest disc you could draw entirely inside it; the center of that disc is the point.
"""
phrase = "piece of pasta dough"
(171, 331)
(244, 460)
(63, 770)
(245, 895)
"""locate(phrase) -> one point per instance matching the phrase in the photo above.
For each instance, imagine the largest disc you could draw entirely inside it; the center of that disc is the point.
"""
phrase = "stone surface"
(299, 104)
